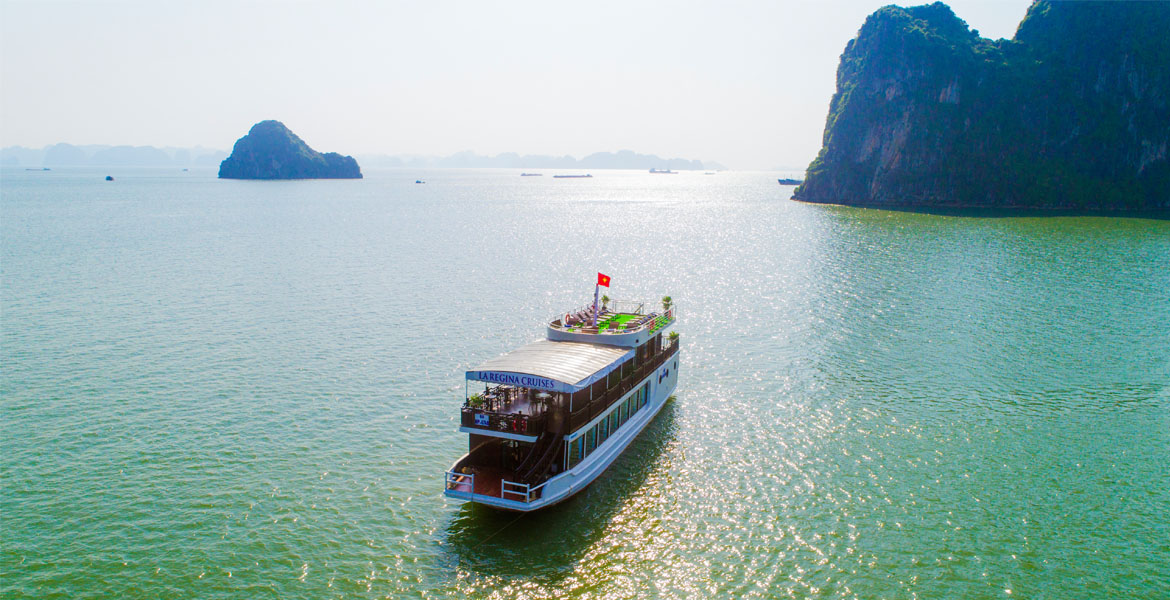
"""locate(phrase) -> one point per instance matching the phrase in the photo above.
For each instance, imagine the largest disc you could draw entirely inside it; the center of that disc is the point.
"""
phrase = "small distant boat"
(571, 176)
(531, 174)
(41, 169)
(709, 173)
(790, 181)
(184, 170)
(419, 181)
(663, 172)
(109, 177)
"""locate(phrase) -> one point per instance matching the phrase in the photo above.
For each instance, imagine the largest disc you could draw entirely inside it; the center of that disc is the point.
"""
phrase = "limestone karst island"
(271, 151)
(1073, 113)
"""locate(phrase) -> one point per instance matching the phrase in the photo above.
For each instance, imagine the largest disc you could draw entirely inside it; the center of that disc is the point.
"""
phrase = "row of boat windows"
(584, 445)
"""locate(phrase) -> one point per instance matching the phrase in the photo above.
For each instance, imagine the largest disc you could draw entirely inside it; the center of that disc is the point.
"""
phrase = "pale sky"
(746, 84)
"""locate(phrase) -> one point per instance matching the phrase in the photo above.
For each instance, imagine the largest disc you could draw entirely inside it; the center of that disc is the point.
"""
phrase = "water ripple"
(228, 389)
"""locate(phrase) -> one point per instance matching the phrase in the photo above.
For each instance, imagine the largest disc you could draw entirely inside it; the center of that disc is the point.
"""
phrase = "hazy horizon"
(744, 85)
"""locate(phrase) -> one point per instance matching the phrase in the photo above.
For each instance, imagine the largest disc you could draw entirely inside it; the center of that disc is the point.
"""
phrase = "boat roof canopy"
(557, 366)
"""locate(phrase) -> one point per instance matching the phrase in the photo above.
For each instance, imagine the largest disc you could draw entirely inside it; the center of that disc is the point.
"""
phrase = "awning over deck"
(556, 366)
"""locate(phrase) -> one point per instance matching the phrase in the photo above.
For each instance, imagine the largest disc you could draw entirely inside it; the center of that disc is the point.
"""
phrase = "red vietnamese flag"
(603, 280)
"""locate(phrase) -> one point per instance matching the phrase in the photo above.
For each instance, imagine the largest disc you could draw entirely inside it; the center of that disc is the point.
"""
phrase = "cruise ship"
(546, 419)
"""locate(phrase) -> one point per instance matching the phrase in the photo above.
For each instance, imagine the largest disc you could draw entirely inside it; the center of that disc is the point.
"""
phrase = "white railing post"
(527, 491)
(455, 480)
(506, 488)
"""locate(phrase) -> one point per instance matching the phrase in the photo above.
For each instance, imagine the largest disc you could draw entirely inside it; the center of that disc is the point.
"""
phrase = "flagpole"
(596, 289)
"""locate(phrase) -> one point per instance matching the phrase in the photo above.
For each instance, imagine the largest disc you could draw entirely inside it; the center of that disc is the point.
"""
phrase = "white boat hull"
(564, 485)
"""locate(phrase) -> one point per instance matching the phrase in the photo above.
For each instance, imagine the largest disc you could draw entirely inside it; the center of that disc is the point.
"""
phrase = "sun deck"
(611, 322)
(619, 323)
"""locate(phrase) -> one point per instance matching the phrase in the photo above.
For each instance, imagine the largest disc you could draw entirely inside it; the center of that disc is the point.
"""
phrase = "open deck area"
(485, 481)
(510, 399)
(507, 408)
(612, 322)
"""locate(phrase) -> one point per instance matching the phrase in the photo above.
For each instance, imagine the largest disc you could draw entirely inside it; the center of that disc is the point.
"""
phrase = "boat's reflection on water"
(492, 542)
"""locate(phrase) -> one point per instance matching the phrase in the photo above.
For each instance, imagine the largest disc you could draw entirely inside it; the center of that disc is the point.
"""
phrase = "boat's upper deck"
(622, 323)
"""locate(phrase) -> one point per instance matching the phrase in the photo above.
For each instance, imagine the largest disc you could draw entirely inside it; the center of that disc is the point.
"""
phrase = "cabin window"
(590, 441)
(575, 454)
(603, 430)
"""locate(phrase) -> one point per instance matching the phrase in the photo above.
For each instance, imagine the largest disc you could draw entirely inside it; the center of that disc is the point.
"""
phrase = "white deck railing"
(523, 490)
(509, 490)
(456, 481)
(650, 320)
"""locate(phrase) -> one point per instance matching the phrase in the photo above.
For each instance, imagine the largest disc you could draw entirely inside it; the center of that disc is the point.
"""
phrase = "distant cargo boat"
(790, 181)
(663, 172)
(571, 176)
(531, 174)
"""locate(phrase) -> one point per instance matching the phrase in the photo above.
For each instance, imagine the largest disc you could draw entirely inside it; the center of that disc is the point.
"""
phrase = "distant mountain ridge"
(68, 155)
(1073, 113)
(623, 159)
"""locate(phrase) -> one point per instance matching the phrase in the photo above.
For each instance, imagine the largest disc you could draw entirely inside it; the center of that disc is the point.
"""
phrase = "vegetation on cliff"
(271, 151)
(1073, 113)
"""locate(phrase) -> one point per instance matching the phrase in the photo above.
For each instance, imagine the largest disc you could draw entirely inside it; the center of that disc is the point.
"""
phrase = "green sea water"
(226, 389)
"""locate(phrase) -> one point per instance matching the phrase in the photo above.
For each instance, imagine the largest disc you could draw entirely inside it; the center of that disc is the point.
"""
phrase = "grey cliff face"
(1071, 114)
